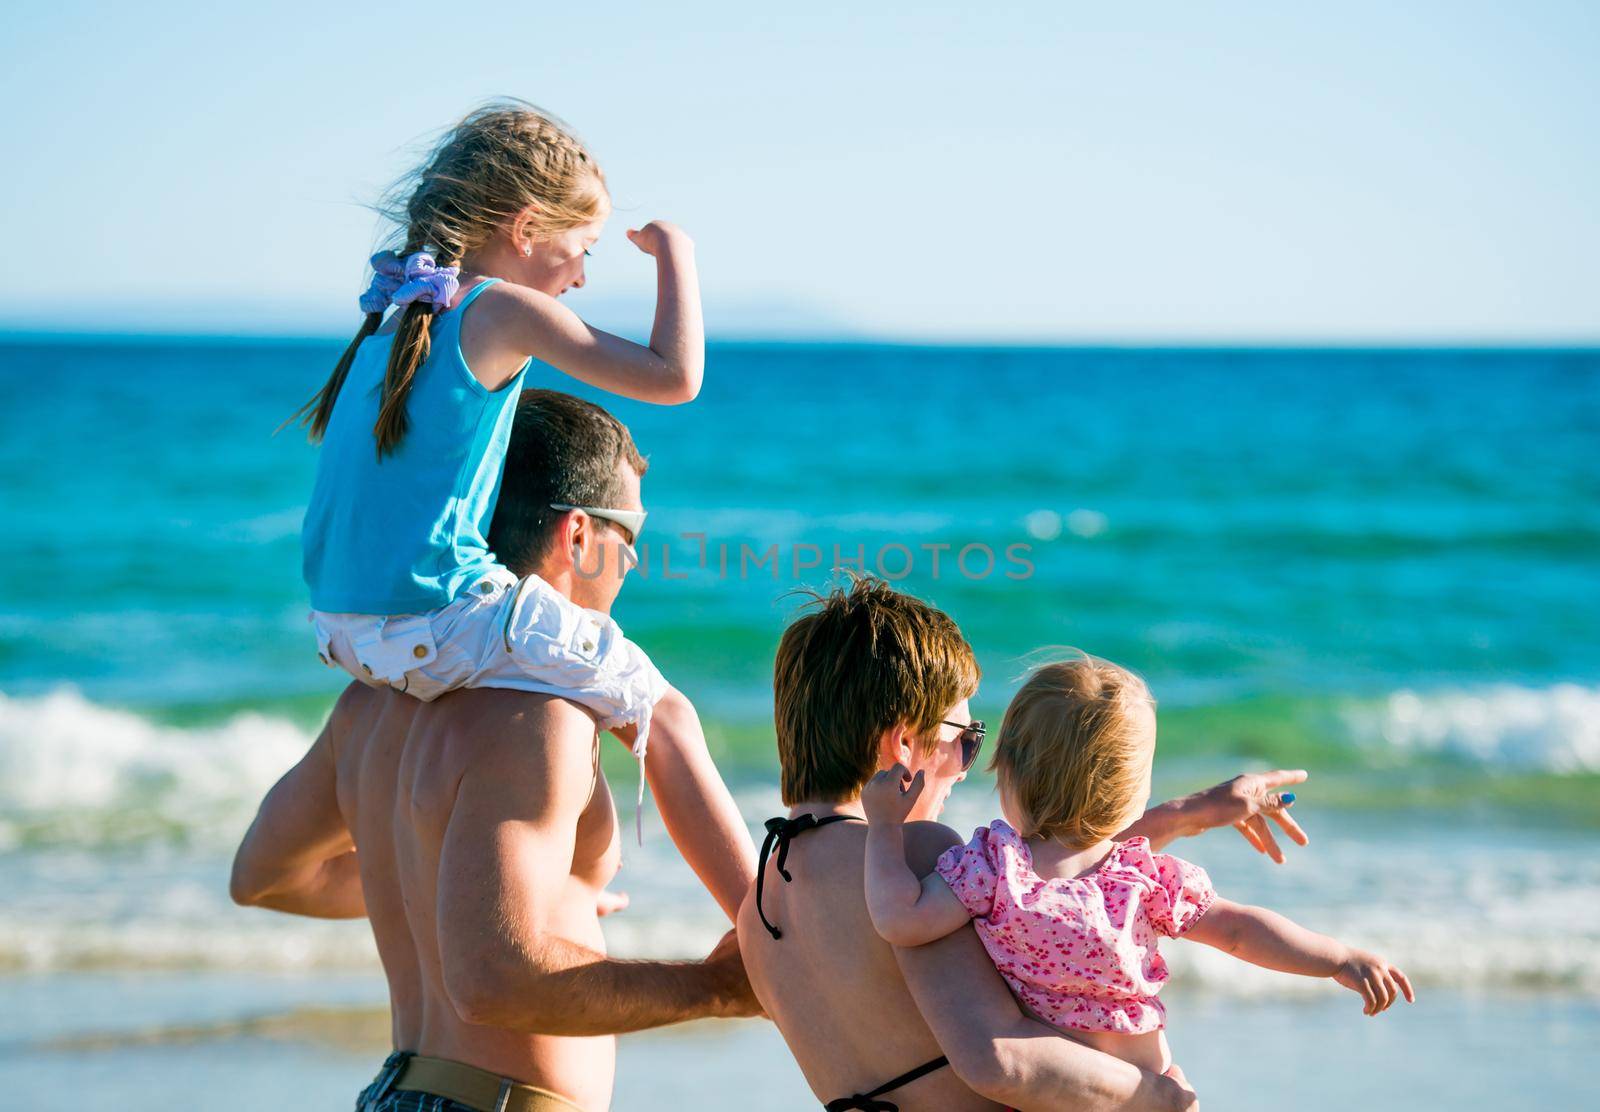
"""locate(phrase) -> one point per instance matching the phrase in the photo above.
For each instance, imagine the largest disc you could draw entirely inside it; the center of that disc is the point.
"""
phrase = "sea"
(1381, 566)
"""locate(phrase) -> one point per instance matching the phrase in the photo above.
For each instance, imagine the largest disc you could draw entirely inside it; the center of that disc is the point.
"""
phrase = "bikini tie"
(869, 1102)
(861, 1103)
(780, 832)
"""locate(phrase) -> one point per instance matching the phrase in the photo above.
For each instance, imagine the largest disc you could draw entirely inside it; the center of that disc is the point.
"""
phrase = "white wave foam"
(75, 773)
(1556, 729)
(119, 833)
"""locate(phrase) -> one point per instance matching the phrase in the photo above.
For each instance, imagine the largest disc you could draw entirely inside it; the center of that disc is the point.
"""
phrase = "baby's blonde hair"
(1071, 752)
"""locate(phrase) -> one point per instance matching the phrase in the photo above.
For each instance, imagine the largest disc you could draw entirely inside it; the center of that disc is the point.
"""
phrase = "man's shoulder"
(490, 720)
(493, 706)
(514, 728)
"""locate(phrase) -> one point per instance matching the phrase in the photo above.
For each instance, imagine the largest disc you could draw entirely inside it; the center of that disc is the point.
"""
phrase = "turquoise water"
(1381, 565)
(1274, 538)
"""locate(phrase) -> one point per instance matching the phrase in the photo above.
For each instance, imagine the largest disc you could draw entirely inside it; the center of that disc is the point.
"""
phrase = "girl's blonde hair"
(501, 159)
(1071, 752)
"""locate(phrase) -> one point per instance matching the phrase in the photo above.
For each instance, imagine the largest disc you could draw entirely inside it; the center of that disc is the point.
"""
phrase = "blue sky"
(1153, 172)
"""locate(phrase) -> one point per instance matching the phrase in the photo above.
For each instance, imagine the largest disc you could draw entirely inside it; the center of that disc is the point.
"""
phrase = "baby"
(1071, 916)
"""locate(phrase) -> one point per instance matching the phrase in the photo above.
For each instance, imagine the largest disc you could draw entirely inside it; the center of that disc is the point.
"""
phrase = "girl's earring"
(527, 249)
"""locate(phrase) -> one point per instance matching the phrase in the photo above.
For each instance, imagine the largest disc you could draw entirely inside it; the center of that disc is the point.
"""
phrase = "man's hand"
(889, 796)
(726, 965)
(658, 236)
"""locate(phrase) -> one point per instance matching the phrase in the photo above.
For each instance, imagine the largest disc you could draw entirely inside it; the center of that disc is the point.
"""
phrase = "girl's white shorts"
(501, 632)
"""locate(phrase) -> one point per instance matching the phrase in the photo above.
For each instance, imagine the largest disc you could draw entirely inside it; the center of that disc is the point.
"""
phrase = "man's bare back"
(400, 764)
(476, 833)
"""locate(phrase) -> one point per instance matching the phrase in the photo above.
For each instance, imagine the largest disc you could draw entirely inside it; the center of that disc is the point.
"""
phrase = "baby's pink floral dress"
(1081, 952)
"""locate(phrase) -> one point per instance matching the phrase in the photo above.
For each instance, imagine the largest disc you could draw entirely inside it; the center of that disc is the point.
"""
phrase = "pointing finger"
(1283, 777)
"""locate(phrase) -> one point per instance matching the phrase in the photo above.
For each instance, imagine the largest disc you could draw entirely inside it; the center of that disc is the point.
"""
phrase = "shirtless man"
(871, 678)
(477, 832)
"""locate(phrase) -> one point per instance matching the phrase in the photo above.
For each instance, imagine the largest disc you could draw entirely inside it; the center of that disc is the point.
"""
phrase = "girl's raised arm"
(668, 372)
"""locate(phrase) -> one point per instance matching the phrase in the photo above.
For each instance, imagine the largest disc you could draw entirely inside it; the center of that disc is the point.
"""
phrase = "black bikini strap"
(866, 1102)
(780, 831)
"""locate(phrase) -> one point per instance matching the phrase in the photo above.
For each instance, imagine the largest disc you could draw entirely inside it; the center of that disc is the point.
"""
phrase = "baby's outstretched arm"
(1267, 939)
(905, 911)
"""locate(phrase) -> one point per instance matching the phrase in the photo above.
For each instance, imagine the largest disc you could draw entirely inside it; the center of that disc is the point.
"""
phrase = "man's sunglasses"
(631, 522)
(971, 739)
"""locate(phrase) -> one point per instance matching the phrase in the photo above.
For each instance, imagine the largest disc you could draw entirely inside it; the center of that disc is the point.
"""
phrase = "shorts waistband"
(476, 1088)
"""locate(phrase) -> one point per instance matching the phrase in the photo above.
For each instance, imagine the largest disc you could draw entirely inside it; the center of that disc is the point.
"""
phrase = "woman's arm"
(1270, 940)
(1245, 803)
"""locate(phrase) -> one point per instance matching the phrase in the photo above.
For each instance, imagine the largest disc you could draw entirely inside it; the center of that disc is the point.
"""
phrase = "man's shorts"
(485, 1090)
(411, 1102)
(503, 632)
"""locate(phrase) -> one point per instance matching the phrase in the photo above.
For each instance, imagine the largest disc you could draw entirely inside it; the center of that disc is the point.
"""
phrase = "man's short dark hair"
(563, 449)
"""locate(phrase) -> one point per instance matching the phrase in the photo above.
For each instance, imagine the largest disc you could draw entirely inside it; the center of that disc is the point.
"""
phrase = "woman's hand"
(889, 796)
(1192, 1103)
(1247, 801)
(658, 236)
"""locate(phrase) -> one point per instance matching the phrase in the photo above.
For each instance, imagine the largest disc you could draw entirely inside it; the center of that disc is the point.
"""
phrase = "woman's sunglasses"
(971, 739)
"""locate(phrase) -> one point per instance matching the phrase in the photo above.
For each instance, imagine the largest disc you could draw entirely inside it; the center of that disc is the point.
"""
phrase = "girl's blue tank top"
(407, 533)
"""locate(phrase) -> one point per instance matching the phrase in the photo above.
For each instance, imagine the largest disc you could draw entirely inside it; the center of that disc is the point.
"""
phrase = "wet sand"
(1452, 1050)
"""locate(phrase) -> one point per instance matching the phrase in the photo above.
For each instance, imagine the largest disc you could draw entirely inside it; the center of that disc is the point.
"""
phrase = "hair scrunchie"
(416, 278)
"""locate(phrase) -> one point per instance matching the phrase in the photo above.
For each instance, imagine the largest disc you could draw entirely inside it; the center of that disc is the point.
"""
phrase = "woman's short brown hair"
(1071, 752)
(864, 660)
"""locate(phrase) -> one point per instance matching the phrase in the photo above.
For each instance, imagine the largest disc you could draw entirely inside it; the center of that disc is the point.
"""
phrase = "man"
(477, 832)
(869, 679)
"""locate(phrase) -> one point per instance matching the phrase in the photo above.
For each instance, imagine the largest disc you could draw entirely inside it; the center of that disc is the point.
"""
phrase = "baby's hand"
(655, 236)
(1375, 979)
(890, 795)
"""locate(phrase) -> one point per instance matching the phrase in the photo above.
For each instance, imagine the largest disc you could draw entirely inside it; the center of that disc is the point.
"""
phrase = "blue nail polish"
(1287, 797)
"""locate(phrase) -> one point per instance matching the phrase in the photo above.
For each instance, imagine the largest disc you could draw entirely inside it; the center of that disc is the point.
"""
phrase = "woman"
(869, 678)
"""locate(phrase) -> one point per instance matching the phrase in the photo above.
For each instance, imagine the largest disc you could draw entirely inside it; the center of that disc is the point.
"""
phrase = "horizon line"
(846, 338)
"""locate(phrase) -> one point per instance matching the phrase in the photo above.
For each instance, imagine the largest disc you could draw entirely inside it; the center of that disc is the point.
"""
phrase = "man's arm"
(699, 813)
(1245, 803)
(997, 1051)
(297, 855)
(504, 870)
